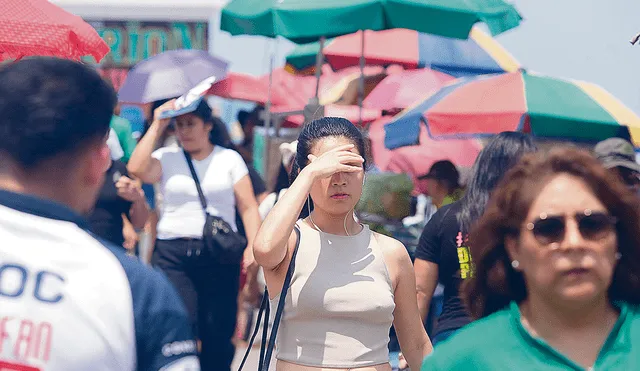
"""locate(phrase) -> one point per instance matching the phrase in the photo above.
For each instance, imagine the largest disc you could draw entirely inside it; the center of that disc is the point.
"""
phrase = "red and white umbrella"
(37, 27)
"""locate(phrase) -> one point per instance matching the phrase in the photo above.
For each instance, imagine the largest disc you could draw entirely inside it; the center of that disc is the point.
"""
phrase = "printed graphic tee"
(72, 302)
(443, 243)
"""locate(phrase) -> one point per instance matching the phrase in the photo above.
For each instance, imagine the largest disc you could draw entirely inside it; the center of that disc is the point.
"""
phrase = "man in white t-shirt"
(70, 301)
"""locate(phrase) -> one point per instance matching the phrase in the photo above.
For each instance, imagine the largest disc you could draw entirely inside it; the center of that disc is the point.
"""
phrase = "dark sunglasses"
(551, 229)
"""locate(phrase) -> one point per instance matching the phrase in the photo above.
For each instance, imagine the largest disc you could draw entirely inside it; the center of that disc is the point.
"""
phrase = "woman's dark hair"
(500, 155)
(324, 128)
(495, 283)
(219, 135)
(319, 129)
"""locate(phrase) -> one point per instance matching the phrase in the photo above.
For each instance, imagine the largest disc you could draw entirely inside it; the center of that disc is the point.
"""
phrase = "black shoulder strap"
(203, 201)
(266, 350)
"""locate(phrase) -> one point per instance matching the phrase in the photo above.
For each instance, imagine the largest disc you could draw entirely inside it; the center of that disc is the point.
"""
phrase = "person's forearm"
(415, 355)
(139, 213)
(251, 220)
(424, 302)
(270, 246)
(141, 158)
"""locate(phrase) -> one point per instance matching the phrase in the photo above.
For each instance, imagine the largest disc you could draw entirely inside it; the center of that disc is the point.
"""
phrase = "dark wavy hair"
(324, 128)
(499, 155)
(495, 283)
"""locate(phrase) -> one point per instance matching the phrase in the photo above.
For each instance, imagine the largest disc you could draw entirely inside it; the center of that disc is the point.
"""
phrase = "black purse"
(266, 348)
(222, 243)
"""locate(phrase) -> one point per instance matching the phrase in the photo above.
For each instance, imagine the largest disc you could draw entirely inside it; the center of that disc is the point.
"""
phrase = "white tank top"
(339, 307)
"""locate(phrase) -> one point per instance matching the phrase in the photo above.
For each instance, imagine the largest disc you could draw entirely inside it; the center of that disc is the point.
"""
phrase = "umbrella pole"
(361, 82)
(319, 60)
(267, 124)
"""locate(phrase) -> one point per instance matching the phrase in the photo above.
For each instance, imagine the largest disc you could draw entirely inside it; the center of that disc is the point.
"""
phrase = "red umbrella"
(37, 27)
(245, 87)
(401, 90)
(416, 160)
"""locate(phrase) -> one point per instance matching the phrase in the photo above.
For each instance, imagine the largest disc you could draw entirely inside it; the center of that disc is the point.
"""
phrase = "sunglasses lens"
(549, 230)
(595, 226)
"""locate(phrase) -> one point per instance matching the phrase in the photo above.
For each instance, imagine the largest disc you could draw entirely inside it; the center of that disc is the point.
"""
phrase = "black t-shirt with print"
(106, 218)
(444, 244)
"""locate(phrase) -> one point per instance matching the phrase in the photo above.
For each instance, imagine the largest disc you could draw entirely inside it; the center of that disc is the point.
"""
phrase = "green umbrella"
(308, 20)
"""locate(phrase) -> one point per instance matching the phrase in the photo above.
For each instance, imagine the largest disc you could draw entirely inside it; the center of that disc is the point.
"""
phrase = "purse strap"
(194, 175)
(266, 349)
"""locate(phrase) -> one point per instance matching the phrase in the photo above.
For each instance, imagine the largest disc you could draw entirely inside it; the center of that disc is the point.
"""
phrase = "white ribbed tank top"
(339, 307)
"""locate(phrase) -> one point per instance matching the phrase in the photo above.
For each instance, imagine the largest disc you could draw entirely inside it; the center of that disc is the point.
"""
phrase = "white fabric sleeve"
(114, 146)
(158, 153)
(238, 167)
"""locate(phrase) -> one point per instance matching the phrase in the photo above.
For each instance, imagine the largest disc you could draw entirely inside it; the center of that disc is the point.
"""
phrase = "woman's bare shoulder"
(392, 248)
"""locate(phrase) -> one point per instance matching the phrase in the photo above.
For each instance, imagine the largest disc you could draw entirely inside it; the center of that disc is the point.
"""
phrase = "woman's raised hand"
(337, 160)
(163, 122)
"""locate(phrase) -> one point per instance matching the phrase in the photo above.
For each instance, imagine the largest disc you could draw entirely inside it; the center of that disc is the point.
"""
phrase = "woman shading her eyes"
(349, 284)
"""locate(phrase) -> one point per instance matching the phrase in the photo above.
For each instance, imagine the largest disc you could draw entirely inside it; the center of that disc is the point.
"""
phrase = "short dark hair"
(50, 107)
(495, 283)
(243, 116)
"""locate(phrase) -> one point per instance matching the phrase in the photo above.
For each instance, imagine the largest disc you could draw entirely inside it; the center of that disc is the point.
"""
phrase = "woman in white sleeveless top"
(350, 284)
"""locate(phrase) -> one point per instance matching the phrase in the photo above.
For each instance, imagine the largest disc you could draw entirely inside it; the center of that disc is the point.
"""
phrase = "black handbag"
(222, 243)
(266, 348)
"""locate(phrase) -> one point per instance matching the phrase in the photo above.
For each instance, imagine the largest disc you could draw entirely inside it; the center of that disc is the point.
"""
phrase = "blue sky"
(579, 39)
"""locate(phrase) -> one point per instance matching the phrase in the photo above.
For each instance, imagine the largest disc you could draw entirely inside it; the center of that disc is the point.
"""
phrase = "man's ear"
(97, 162)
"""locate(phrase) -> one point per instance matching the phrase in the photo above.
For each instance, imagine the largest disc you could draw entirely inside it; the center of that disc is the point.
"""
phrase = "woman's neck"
(202, 153)
(335, 224)
(549, 319)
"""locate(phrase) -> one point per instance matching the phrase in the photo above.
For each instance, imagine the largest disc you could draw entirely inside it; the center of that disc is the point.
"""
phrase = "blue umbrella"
(169, 75)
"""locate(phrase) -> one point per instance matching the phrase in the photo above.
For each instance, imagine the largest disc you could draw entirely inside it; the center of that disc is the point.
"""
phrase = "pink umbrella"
(350, 112)
(401, 90)
(295, 91)
(416, 160)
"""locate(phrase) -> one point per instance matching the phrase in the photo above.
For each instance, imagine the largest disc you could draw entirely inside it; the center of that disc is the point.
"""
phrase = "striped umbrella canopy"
(479, 54)
(541, 105)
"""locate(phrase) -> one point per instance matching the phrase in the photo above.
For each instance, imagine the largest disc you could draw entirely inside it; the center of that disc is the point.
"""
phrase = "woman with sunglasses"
(557, 279)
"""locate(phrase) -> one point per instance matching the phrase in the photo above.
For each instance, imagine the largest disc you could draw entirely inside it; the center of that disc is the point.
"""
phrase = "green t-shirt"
(122, 127)
(499, 342)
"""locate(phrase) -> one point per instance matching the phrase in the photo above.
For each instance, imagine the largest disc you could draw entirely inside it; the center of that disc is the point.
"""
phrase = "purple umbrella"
(170, 74)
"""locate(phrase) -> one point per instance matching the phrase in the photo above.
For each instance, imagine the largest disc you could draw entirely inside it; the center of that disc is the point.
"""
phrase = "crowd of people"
(538, 253)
